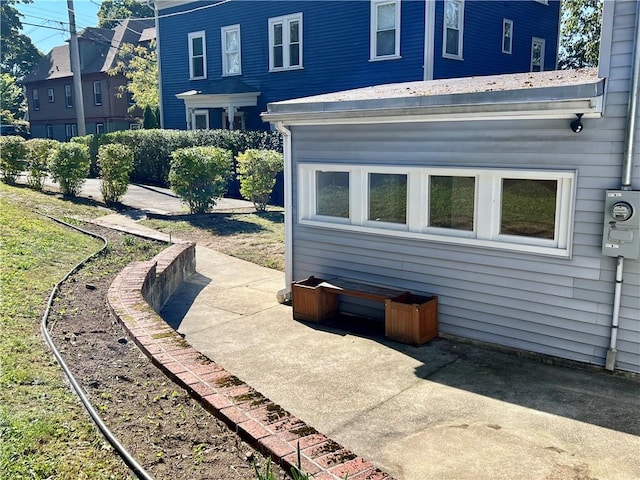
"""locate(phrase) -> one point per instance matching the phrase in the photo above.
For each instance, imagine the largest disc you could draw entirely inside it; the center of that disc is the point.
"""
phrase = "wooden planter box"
(411, 319)
(310, 303)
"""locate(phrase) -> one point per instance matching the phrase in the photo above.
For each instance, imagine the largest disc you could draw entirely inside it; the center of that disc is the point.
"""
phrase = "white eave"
(557, 94)
(195, 99)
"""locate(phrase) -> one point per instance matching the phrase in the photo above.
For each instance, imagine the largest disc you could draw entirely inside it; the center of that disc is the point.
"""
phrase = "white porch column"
(231, 115)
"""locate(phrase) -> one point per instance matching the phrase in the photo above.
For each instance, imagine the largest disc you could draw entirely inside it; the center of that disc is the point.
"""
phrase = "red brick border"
(254, 417)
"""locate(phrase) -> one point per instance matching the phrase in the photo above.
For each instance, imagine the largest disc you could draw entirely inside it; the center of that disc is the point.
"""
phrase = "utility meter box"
(621, 235)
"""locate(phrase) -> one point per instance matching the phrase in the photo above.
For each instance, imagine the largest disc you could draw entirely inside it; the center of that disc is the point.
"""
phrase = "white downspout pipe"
(627, 166)
(285, 293)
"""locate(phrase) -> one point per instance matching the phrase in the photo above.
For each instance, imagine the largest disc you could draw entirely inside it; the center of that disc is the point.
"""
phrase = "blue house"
(221, 63)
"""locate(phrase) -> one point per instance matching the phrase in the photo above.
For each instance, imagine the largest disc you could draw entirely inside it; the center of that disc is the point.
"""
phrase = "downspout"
(285, 293)
(157, 25)
(627, 167)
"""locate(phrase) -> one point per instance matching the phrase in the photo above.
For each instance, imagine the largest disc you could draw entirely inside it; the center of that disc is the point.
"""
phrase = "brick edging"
(259, 421)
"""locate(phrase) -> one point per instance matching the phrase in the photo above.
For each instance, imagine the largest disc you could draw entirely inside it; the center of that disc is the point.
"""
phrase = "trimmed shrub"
(13, 150)
(92, 141)
(257, 171)
(116, 163)
(39, 150)
(199, 175)
(69, 166)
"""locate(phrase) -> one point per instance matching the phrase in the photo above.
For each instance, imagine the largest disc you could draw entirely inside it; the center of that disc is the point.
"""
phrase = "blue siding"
(336, 47)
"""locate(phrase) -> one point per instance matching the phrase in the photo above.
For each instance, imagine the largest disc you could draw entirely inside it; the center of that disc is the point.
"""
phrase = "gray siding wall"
(559, 307)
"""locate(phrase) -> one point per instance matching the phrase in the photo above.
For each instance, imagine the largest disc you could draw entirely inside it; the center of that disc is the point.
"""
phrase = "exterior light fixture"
(576, 125)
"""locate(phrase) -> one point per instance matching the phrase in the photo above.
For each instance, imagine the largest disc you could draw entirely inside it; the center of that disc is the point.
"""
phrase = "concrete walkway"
(447, 410)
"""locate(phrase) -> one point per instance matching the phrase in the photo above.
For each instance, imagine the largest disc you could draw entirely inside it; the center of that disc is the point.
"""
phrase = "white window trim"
(97, 91)
(49, 131)
(236, 115)
(373, 40)
(135, 126)
(192, 36)
(223, 32)
(486, 233)
(197, 113)
(544, 2)
(51, 95)
(99, 126)
(286, 61)
(542, 41)
(505, 22)
(460, 33)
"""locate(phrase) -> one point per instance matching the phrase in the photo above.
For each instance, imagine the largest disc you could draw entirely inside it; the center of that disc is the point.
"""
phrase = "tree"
(18, 55)
(11, 99)
(140, 66)
(112, 11)
(580, 28)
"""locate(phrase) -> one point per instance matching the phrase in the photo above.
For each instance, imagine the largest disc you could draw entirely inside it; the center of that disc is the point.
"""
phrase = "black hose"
(128, 459)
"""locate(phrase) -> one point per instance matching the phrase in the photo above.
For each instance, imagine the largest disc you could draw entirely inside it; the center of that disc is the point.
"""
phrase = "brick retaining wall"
(135, 297)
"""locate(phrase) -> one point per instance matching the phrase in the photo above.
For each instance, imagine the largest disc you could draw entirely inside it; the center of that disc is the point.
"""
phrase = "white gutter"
(285, 293)
(627, 167)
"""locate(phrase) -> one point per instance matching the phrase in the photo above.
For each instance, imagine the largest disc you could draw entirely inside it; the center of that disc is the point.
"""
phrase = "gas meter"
(621, 235)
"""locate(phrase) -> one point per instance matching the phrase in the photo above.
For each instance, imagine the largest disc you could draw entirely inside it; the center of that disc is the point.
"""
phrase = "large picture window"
(385, 29)
(529, 210)
(197, 56)
(285, 42)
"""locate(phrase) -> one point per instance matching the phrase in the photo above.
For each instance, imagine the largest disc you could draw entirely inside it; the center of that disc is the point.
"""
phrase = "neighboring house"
(480, 191)
(222, 62)
(50, 90)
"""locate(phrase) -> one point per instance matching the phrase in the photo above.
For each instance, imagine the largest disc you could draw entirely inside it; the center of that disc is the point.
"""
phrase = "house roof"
(561, 93)
(107, 42)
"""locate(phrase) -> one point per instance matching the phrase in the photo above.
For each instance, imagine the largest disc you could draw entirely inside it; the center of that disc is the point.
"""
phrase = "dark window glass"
(332, 194)
(451, 202)
(528, 207)
(388, 197)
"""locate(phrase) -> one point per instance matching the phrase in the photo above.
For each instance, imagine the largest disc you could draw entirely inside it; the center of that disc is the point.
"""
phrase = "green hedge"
(152, 149)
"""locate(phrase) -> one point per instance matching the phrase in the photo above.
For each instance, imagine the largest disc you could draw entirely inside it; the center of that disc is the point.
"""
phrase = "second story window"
(231, 58)
(51, 95)
(385, 29)
(537, 54)
(452, 31)
(97, 93)
(68, 98)
(197, 56)
(285, 42)
(507, 35)
(36, 99)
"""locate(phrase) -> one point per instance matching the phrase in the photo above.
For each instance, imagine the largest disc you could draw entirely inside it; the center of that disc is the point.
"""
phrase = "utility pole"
(75, 70)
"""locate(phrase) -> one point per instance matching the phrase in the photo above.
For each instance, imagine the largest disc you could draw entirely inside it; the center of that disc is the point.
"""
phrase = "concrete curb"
(260, 422)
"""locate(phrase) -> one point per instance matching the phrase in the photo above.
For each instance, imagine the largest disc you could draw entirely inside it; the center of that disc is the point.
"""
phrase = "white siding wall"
(559, 307)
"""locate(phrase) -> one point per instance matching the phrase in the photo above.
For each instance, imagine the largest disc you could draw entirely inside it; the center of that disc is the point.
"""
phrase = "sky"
(46, 22)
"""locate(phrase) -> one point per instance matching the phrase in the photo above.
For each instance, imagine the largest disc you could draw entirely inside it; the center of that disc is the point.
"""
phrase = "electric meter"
(621, 211)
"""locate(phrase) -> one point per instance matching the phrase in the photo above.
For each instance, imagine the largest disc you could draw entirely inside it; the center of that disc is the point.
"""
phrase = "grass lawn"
(44, 429)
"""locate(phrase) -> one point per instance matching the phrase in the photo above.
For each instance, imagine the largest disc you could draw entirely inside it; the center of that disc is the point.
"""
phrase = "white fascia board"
(193, 99)
(566, 109)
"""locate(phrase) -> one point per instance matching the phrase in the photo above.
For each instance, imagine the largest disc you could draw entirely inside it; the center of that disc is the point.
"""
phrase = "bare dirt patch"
(167, 431)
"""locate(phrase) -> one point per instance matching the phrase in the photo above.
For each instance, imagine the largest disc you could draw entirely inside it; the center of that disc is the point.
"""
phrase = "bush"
(116, 163)
(257, 170)
(199, 175)
(13, 150)
(39, 150)
(92, 141)
(69, 165)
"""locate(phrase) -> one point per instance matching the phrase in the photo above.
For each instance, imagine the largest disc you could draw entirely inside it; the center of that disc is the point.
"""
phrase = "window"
(97, 93)
(537, 54)
(135, 126)
(385, 29)
(527, 211)
(238, 121)
(507, 35)
(68, 98)
(285, 42)
(49, 131)
(452, 31)
(71, 130)
(99, 128)
(197, 56)
(200, 120)
(231, 58)
(51, 95)
(387, 198)
(36, 99)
